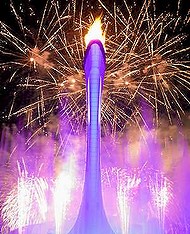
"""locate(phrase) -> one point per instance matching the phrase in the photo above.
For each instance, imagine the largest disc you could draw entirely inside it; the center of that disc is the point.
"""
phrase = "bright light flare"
(162, 196)
(95, 32)
(62, 194)
(25, 204)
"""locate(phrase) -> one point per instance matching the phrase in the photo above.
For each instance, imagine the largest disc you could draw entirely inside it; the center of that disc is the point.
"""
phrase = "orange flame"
(95, 32)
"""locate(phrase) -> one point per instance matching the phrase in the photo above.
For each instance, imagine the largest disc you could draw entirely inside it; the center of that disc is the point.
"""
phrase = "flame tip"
(95, 32)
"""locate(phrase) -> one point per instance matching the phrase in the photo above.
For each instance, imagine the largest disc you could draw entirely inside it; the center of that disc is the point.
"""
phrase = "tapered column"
(92, 218)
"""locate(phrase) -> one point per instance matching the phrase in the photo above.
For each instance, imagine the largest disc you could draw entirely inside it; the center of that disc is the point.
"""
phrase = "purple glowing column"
(92, 218)
(94, 71)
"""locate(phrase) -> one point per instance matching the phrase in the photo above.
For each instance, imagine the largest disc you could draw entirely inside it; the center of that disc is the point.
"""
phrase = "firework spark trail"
(125, 184)
(26, 203)
(35, 191)
(62, 195)
(157, 74)
(37, 59)
(141, 195)
(162, 196)
(161, 201)
(32, 198)
(143, 62)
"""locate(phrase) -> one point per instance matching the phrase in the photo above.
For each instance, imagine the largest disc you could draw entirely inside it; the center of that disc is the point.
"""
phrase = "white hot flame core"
(95, 32)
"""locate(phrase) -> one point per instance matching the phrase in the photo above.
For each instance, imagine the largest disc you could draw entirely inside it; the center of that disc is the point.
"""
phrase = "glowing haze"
(95, 32)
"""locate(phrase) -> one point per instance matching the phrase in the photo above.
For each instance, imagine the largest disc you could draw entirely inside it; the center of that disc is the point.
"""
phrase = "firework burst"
(33, 200)
(142, 196)
(145, 61)
(25, 204)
